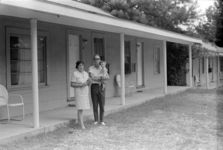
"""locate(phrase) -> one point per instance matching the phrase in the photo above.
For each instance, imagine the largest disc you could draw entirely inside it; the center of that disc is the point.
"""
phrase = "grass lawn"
(192, 120)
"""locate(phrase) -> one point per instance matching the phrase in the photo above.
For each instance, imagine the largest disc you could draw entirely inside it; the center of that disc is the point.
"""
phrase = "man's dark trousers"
(98, 99)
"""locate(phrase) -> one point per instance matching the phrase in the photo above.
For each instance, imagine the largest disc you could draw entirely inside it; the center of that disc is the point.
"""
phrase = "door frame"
(143, 71)
(71, 32)
(98, 35)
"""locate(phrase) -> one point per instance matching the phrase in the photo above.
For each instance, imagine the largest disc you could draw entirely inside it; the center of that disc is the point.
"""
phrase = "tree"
(219, 22)
(207, 28)
(165, 14)
(168, 14)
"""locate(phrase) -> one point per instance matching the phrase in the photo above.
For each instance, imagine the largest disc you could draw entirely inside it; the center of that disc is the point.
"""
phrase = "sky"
(204, 4)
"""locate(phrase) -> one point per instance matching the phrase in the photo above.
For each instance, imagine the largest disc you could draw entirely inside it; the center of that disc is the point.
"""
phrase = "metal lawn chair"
(4, 101)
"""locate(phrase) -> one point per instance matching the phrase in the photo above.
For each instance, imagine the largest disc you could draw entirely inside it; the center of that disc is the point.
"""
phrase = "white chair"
(4, 101)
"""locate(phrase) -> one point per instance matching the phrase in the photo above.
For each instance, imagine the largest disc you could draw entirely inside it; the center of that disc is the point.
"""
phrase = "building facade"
(39, 46)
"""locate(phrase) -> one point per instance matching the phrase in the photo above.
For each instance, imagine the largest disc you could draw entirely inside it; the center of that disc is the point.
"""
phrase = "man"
(97, 92)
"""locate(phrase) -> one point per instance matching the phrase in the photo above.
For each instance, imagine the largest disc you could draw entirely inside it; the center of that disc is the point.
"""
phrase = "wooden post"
(164, 67)
(190, 67)
(35, 87)
(122, 54)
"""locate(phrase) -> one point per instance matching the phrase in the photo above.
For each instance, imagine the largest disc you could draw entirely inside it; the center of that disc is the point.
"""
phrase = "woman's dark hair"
(78, 63)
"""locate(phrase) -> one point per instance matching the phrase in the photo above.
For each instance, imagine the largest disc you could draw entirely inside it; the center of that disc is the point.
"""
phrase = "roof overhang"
(212, 48)
(220, 51)
(61, 14)
(209, 47)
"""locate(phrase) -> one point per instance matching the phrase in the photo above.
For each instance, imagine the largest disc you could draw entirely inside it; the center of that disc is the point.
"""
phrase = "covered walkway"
(212, 85)
(54, 119)
(47, 11)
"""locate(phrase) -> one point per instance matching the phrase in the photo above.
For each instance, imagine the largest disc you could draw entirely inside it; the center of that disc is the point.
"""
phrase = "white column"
(218, 70)
(33, 23)
(164, 68)
(122, 63)
(190, 67)
(207, 73)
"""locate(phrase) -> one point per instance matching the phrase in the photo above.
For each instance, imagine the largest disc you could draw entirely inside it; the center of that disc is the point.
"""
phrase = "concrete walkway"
(54, 119)
(212, 85)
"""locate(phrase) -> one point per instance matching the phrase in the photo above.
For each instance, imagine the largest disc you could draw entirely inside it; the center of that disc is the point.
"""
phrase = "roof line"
(113, 17)
(144, 28)
(55, 3)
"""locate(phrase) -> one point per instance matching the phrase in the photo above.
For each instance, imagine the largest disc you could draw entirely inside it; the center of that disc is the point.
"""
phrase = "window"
(199, 68)
(99, 47)
(221, 64)
(210, 64)
(156, 60)
(20, 62)
(127, 57)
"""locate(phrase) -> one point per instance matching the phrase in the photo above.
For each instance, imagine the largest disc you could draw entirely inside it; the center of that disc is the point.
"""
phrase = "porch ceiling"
(62, 14)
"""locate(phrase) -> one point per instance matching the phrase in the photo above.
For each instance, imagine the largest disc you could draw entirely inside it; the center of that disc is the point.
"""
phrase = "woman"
(80, 81)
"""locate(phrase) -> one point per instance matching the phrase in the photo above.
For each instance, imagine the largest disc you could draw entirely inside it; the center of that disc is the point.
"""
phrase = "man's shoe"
(103, 123)
(95, 123)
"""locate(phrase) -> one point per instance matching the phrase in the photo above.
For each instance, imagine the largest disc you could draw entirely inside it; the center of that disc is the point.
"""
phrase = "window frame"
(221, 64)
(130, 57)
(203, 65)
(210, 65)
(24, 31)
(98, 35)
(157, 62)
(199, 69)
(103, 49)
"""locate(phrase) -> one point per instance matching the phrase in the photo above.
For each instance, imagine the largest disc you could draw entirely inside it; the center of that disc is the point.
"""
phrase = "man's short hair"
(97, 57)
